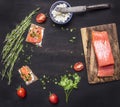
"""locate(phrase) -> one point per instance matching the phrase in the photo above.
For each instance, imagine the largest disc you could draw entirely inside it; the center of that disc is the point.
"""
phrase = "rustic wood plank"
(91, 63)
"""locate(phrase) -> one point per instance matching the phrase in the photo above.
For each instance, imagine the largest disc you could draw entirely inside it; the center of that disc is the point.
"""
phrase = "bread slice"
(27, 75)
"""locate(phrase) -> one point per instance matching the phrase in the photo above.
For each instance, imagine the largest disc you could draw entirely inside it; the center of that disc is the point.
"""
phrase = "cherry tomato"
(78, 66)
(21, 92)
(53, 98)
(40, 18)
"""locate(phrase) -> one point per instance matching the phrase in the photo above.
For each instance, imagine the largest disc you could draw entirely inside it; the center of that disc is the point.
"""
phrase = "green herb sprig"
(68, 83)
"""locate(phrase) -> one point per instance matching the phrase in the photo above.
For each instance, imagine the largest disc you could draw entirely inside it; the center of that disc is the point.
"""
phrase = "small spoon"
(82, 8)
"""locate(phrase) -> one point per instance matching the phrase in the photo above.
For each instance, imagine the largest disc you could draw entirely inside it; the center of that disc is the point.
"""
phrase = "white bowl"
(58, 17)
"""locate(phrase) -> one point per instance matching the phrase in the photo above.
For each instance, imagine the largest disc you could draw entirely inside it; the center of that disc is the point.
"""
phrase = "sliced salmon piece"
(33, 40)
(25, 73)
(103, 53)
(106, 71)
(35, 34)
(102, 48)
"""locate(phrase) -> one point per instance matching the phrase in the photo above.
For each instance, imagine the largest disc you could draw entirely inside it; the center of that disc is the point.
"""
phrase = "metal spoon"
(82, 8)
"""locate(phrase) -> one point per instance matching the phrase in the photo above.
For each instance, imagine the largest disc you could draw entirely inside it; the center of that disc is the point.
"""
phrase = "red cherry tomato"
(78, 66)
(40, 18)
(21, 92)
(53, 98)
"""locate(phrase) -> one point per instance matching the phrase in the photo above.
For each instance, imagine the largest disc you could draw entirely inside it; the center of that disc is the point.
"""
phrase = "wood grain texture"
(91, 63)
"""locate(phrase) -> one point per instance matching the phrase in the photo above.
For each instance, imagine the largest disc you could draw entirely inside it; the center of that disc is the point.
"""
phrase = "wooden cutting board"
(91, 63)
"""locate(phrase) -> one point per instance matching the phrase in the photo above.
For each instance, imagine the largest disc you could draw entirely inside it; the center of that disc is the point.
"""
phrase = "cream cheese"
(59, 16)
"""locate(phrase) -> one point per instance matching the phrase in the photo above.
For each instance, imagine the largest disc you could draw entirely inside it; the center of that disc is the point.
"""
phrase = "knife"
(82, 8)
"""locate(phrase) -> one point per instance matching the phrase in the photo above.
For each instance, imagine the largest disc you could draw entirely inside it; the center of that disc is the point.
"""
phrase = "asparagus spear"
(10, 57)
(12, 52)
(9, 73)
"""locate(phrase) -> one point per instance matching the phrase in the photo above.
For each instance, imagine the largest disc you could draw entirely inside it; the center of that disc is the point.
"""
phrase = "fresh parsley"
(68, 83)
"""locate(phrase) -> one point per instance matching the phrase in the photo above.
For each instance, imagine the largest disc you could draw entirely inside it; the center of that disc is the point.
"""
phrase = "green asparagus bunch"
(13, 46)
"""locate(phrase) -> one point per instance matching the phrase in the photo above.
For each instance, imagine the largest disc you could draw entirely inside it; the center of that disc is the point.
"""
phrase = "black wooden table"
(56, 55)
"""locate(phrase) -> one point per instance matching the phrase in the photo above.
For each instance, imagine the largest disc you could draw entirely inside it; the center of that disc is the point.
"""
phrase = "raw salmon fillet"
(103, 53)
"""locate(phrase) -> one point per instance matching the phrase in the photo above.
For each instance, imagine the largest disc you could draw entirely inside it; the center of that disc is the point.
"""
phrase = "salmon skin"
(103, 52)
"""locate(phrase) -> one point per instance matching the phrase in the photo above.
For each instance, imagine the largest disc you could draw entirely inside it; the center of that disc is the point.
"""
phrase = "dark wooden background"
(55, 57)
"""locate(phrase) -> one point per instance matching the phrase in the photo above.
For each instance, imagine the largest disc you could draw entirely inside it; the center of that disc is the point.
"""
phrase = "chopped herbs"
(68, 83)
(44, 88)
(22, 50)
(67, 71)
(28, 57)
(71, 30)
(44, 76)
(67, 29)
(71, 66)
(26, 45)
(62, 28)
(27, 77)
(71, 52)
(56, 82)
(72, 40)
(82, 54)
(53, 25)
(44, 80)
(32, 49)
